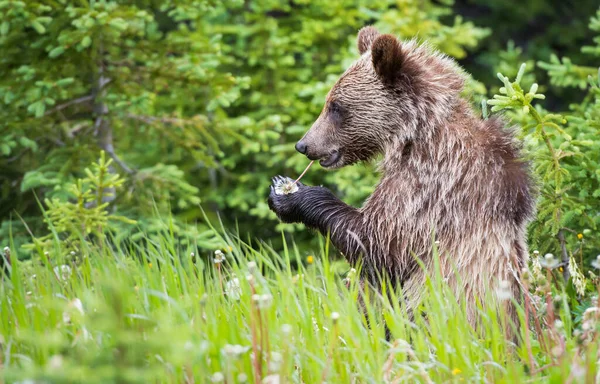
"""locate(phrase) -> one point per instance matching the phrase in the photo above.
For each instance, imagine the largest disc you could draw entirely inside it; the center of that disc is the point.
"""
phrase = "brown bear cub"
(445, 173)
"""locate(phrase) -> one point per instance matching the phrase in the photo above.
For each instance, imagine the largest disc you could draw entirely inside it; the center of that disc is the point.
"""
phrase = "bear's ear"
(366, 36)
(387, 57)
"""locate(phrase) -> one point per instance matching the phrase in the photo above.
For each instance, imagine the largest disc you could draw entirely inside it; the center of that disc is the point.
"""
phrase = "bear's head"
(392, 93)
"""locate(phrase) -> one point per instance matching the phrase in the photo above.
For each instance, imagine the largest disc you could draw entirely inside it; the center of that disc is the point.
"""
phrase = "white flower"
(284, 186)
(233, 289)
(549, 261)
(62, 272)
(219, 257)
(271, 379)
(76, 303)
(286, 329)
(217, 377)
(335, 316)
(242, 378)
(252, 266)
(263, 301)
(234, 350)
(275, 361)
(596, 263)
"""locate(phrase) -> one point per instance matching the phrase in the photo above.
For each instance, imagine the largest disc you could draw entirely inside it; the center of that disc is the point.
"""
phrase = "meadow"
(165, 313)
(138, 140)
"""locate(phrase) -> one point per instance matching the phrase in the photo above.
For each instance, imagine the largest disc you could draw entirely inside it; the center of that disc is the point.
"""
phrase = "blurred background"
(197, 104)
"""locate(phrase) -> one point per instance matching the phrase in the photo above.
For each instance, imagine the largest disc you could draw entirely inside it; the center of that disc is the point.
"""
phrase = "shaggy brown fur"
(445, 172)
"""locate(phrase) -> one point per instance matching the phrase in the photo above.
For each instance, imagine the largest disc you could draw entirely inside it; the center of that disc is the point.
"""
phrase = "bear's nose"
(301, 147)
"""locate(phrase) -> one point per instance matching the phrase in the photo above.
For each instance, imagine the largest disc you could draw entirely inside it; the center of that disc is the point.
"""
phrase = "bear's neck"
(454, 137)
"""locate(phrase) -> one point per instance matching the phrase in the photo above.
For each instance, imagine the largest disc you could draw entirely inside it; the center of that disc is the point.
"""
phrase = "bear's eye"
(336, 111)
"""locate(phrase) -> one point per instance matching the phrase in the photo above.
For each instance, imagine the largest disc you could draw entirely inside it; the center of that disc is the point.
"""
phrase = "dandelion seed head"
(265, 301)
(233, 289)
(219, 257)
(285, 186)
(217, 377)
(234, 350)
(549, 261)
(335, 316)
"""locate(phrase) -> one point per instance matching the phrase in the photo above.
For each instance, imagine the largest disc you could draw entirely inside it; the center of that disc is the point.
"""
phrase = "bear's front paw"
(284, 197)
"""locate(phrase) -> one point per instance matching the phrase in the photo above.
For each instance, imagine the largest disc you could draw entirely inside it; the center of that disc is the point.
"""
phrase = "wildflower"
(549, 261)
(556, 351)
(149, 265)
(503, 292)
(233, 289)
(558, 324)
(192, 255)
(351, 274)
(234, 350)
(217, 377)
(242, 378)
(76, 303)
(275, 361)
(596, 263)
(310, 259)
(335, 316)
(285, 186)
(265, 301)
(252, 267)
(230, 249)
(271, 379)
(62, 272)
(286, 329)
(7, 252)
(250, 279)
(580, 236)
(219, 257)
(456, 371)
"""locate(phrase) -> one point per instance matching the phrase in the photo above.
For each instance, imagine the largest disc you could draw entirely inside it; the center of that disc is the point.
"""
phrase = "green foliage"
(140, 81)
(87, 213)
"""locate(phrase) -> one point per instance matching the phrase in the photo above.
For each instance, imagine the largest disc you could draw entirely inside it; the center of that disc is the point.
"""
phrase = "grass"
(171, 314)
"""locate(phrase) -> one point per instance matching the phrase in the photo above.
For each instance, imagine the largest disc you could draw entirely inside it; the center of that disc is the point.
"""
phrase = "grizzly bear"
(446, 173)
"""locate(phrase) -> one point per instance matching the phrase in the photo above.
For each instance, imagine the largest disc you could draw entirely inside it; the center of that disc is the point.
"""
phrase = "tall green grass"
(162, 313)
